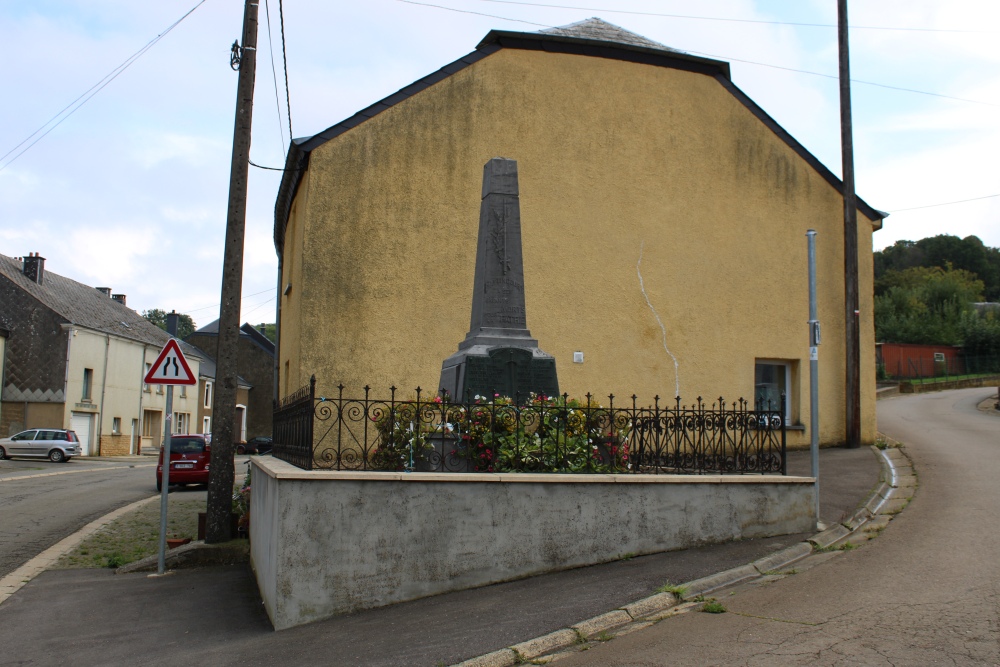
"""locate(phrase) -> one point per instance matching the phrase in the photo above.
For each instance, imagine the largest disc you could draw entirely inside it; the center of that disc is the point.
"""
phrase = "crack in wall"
(663, 329)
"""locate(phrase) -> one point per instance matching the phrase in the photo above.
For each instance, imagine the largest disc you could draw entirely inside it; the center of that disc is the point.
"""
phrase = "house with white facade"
(75, 356)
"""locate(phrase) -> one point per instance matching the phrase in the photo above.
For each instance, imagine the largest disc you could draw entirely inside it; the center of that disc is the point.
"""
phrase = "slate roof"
(601, 31)
(85, 306)
(246, 331)
(591, 37)
(207, 368)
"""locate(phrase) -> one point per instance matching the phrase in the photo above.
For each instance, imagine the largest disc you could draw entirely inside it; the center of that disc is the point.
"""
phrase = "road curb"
(863, 525)
(14, 581)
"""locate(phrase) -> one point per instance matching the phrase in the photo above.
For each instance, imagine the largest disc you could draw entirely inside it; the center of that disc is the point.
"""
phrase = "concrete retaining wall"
(327, 543)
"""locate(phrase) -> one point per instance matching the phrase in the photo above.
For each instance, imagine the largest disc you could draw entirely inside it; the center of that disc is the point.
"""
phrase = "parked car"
(259, 445)
(189, 459)
(55, 444)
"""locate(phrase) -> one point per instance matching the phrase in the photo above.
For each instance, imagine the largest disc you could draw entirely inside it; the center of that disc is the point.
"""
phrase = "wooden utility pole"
(852, 311)
(224, 429)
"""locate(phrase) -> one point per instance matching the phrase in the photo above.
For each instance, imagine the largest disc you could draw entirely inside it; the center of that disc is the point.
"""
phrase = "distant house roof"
(248, 331)
(592, 37)
(85, 306)
(207, 368)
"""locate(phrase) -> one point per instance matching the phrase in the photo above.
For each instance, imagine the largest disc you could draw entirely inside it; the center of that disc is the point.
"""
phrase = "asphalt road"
(37, 511)
(925, 592)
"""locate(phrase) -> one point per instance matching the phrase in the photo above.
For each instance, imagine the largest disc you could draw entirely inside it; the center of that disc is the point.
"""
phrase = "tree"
(185, 325)
(969, 254)
(926, 305)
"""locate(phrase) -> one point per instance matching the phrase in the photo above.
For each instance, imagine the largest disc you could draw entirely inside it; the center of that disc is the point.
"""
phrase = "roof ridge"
(596, 28)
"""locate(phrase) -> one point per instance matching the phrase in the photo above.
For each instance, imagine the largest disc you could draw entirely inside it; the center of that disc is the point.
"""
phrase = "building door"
(152, 430)
(82, 424)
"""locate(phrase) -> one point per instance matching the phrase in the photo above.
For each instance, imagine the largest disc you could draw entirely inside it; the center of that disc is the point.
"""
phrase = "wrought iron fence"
(542, 434)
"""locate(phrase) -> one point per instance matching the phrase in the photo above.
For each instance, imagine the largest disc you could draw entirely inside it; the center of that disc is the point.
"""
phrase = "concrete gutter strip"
(505, 657)
(642, 613)
(651, 605)
(553, 641)
(720, 580)
(598, 624)
(829, 536)
(783, 558)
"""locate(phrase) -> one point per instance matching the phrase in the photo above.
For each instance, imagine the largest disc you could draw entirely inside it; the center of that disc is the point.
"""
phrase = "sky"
(130, 190)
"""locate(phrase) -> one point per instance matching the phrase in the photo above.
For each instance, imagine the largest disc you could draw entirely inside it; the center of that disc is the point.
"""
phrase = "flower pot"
(444, 454)
(174, 542)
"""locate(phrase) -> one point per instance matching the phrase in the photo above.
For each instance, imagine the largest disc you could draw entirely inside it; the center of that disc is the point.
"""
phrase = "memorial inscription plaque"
(498, 354)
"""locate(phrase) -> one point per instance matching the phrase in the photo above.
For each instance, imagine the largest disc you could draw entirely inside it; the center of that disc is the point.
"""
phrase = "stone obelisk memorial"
(498, 354)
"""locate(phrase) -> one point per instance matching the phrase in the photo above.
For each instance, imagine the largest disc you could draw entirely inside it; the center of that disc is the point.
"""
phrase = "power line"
(834, 76)
(259, 306)
(728, 20)
(947, 203)
(738, 60)
(467, 11)
(90, 92)
(274, 76)
(195, 310)
(284, 60)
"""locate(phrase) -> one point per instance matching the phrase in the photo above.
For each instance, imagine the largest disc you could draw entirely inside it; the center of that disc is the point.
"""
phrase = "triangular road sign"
(170, 367)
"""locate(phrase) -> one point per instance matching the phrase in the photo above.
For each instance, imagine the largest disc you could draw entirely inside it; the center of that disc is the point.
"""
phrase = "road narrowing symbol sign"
(170, 367)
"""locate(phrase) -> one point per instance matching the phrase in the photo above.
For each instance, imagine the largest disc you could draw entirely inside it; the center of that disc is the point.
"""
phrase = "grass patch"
(846, 546)
(604, 636)
(676, 589)
(627, 556)
(133, 536)
(714, 607)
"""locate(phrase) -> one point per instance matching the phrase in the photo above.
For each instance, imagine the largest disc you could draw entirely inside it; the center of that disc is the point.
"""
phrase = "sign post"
(814, 338)
(170, 368)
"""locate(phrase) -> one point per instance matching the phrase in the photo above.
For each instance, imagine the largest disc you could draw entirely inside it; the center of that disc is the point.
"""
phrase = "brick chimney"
(106, 291)
(34, 267)
(120, 298)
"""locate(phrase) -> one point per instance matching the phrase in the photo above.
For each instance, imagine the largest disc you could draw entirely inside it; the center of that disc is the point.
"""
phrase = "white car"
(55, 444)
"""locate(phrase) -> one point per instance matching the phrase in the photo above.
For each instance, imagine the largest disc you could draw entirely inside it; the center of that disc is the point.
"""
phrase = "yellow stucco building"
(652, 191)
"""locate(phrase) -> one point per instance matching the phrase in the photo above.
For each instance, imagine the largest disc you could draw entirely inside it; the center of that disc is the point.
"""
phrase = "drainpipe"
(69, 341)
(277, 340)
(104, 387)
(142, 374)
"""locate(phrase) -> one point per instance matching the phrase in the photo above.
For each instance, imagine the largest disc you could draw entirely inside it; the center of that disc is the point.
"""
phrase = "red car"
(189, 459)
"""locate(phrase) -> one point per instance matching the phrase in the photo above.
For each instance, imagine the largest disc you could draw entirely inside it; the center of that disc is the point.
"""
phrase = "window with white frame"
(206, 425)
(182, 422)
(145, 387)
(208, 395)
(116, 426)
(772, 378)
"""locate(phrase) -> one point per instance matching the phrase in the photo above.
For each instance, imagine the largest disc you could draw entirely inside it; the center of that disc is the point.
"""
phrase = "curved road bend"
(925, 592)
(37, 512)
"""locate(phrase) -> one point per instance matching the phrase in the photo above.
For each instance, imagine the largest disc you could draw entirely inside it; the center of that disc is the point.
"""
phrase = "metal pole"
(814, 339)
(165, 477)
(851, 304)
(222, 476)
